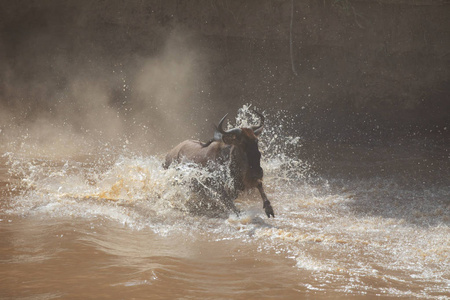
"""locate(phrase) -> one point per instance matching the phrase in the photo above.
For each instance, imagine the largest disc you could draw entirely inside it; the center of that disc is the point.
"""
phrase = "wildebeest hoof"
(268, 209)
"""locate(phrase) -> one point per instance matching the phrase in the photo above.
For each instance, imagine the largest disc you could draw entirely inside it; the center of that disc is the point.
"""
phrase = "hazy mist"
(78, 74)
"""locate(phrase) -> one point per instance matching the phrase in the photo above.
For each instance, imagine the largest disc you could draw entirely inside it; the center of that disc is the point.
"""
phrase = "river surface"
(351, 221)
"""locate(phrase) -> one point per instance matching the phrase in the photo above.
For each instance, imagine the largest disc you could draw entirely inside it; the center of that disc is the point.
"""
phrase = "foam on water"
(355, 237)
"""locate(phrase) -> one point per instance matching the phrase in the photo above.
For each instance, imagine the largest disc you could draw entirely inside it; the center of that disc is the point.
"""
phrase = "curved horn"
(231, 131)
(258, 128)
(219, 127)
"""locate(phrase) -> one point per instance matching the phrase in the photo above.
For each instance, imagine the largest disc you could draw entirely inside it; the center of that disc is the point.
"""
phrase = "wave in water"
(356, 236)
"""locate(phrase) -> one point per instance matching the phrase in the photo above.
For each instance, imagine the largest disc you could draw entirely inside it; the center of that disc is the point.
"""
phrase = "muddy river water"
(117, 225)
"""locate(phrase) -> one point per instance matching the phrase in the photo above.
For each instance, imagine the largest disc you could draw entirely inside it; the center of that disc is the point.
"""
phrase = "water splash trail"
(322, 225)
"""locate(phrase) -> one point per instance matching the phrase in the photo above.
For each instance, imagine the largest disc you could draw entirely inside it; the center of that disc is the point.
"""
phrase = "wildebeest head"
(245, 140)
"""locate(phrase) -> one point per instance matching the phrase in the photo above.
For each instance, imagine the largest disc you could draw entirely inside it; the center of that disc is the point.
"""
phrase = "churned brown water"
(91, 227)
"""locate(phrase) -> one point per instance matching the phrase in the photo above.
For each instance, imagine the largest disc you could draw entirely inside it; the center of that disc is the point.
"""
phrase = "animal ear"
(229, 139)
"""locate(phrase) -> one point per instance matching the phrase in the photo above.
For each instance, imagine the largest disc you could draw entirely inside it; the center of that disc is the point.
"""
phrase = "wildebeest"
(236, 149)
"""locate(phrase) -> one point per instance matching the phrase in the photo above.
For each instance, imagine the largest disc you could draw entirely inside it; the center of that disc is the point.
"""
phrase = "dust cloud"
(63, 94)
(78, 75)
(166, 88)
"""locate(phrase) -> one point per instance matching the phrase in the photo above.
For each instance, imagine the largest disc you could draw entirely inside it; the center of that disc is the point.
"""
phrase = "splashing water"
(133, 179)
(281, 151)
(328, 229)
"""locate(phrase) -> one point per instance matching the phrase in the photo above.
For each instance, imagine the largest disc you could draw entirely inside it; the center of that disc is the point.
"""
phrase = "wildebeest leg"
(266, 203)
(229, 204)
(228, 200)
